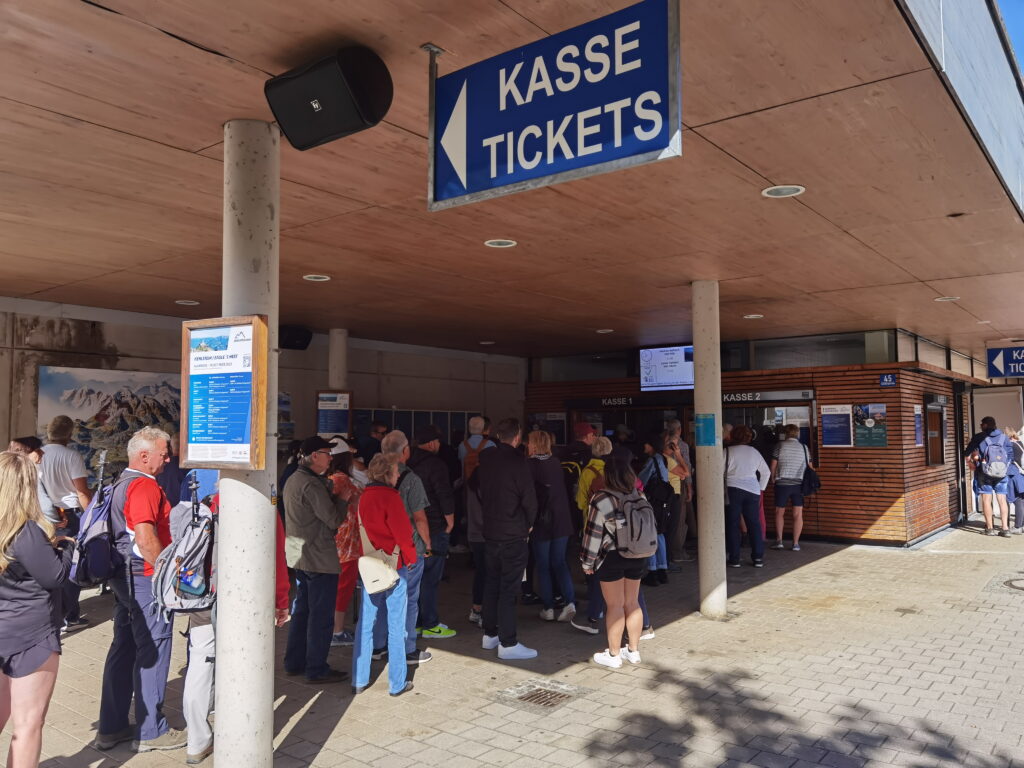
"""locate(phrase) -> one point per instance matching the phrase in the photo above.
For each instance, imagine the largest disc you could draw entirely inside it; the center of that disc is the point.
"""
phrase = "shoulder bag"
(811, 482)
(377, 568)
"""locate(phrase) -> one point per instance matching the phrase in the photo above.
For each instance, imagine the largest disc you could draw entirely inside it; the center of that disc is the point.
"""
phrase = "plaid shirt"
(598, 540)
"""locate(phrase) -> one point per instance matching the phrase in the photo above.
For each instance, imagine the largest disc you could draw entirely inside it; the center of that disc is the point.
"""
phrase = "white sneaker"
(548, 614)
(796, 547)
(778, 545)
(567, 612)
(476, 617)
(648, 633)
(633, 657)
(605, 659)
(516, 652)
(489, 643)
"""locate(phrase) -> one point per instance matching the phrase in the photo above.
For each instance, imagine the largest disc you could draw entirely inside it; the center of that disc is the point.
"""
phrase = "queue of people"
(526, 510)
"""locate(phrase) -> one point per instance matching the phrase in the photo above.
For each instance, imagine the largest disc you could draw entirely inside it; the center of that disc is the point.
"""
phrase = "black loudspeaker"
(326, 100)
(293, 337)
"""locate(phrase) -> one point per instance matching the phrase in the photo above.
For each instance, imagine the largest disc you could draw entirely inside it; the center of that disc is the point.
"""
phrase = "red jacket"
(383, 516)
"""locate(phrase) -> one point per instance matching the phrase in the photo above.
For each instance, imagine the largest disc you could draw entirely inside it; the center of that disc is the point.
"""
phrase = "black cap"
(426, 433)
(313, 444)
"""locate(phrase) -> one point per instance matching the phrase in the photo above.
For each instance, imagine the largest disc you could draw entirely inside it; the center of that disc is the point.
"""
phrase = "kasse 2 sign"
(598, 97)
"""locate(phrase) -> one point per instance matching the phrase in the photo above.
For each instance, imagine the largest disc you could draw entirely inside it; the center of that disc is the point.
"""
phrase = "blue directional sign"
(1005, 362)
(595, 98)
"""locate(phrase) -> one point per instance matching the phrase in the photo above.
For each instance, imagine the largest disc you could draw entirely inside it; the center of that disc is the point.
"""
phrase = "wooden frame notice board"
(224, 393)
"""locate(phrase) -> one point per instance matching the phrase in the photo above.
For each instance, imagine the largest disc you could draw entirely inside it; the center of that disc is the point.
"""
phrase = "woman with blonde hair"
(33, 567)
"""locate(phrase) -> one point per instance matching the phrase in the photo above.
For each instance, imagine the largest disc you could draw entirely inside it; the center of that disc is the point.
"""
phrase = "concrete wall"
(381, 374)
(965, 42)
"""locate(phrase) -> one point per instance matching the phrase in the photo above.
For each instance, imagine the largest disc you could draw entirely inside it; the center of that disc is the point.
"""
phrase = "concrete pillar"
(337, 359)
(707, 399)
(247, 527)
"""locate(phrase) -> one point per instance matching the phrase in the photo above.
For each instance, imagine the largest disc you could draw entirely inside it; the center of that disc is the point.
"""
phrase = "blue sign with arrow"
(1005, 362)
(595, 98)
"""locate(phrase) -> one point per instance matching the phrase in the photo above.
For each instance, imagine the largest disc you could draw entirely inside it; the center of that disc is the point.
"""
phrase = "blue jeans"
(748, 505)
(138, 660)
(433, 571)
(596, 604)
(549, 557)
(659, 560)
(392, 603)
(309, 635)
(413, 579)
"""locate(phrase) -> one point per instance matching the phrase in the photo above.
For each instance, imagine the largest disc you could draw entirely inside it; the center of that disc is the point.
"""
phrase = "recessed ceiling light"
(605, 330)
(187, 302)
(486, 343)
(752, 317)
(984, 322)
(946, 298)
(783, 190)
(316, 278)
(500, 242)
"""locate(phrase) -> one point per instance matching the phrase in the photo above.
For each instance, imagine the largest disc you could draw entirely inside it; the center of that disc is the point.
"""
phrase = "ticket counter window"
(767, 423)
(935, 429)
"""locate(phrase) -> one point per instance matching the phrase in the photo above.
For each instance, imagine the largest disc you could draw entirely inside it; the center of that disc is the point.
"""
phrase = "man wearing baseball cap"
(312, 517)
(579, 449)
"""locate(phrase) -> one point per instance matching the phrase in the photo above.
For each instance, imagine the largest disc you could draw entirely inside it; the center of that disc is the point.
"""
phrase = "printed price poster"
(837, 426)
(918, 426)
(220, 394)
(332, 413)
(869, 426)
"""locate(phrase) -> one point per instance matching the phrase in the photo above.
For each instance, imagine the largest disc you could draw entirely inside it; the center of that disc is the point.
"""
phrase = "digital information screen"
(663, 368)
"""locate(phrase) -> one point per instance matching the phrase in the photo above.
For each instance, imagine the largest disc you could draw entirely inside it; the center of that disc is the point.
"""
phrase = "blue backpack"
(97, 557)
(995, 457)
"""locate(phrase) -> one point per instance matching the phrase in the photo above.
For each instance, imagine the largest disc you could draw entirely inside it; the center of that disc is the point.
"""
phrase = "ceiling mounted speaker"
(332, 98)
(293, 337)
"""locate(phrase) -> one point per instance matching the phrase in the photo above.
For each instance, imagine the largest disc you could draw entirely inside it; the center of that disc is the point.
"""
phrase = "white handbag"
(377, 568)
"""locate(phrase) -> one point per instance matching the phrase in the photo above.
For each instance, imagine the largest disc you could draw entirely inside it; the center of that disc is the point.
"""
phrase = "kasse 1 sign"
(595, 98)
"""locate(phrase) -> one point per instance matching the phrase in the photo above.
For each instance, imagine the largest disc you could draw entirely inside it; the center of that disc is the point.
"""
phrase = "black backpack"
(659, 493)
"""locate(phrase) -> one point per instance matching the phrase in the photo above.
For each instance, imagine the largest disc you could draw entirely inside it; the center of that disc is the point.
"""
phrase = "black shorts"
(616, 567)
(24, 663)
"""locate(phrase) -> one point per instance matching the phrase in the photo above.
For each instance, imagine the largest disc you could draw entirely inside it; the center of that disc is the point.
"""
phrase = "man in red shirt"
(140, 652)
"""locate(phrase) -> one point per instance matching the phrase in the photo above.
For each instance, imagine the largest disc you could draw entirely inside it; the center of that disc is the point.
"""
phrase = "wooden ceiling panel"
(56, 208)
(75, 154)
(886, 152)
(982, 242)
(75, 58)
(139, 293)
(777, 52)
(911, 306)
(995, 297)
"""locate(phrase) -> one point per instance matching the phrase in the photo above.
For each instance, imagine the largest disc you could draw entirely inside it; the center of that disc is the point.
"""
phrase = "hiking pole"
(193, 486)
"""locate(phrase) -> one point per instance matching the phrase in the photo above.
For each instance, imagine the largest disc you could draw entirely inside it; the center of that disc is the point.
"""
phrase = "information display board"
(224, 392)
(837, 426)
(870, 425)
(663, 368)
(333, 413)
(918, 426)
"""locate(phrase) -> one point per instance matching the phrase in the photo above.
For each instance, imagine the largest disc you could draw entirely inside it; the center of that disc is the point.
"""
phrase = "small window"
(934, 435)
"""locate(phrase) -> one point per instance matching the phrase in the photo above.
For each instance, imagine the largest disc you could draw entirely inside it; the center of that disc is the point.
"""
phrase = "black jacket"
(432, 470)
(508, 494)
(579, 452)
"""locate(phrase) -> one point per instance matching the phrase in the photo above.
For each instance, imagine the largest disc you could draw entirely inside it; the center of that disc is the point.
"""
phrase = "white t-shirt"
(61, 465)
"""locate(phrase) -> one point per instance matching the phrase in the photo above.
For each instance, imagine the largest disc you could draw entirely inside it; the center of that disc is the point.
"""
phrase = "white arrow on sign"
(997, 362)
(454, 138)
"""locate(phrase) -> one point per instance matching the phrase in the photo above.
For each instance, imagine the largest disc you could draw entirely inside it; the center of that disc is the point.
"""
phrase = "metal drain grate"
(540, 695)
(543, 698)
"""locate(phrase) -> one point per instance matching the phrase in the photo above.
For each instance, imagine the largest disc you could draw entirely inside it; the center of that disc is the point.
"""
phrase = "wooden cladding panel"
(885, 494)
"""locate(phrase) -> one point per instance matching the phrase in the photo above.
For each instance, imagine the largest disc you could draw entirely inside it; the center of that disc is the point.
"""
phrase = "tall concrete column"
(707, 399)
(337, 358)
(247, 527)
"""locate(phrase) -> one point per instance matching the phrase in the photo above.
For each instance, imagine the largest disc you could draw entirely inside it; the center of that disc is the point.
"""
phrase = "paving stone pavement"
(841, 656)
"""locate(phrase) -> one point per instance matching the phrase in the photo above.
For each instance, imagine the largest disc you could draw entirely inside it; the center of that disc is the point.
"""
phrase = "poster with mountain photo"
(108, 407)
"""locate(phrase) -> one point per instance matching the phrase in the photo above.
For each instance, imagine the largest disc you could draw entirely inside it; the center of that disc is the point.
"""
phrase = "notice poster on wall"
(870, 429)
(224, 382)
(837, 426)
(918, 426)
(333, 414)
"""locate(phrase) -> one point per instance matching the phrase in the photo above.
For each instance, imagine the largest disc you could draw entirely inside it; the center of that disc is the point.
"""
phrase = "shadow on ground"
(744, 726)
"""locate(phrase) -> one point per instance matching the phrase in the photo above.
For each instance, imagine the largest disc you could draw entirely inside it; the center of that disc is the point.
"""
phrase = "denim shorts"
(985, 485)
(785, 494)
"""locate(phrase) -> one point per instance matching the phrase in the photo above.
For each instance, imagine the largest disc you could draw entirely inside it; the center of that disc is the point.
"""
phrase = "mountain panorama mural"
(107, 407)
